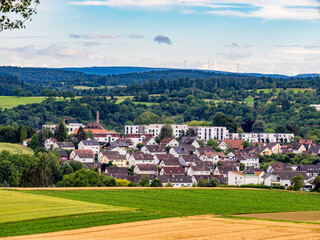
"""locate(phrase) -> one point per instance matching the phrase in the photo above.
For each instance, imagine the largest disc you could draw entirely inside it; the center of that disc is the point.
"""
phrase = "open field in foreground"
(15, 148)
(158, 204)
(313, 216)
(18, 206)
(196, 227)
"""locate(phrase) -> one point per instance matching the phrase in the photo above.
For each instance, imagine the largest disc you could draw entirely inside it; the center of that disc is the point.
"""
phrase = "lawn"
(18, 206)
(15, 148)
(161, 203)
(12, 101)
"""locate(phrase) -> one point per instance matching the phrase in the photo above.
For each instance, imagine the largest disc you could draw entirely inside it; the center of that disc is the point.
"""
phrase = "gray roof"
(181, 150)
(113, 170)
(309, 168)
(287, 175)
(90, 143)
(147, 167)
(174, 179)
(65, 144)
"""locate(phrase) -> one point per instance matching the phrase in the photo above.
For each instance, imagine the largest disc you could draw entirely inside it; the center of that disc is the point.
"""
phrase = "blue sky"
(265, 36)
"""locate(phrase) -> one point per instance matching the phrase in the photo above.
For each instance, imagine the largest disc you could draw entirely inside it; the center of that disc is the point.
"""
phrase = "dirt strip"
(306, 216)
(204, 227)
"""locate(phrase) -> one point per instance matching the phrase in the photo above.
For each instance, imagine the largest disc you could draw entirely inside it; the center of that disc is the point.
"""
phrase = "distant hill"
(104, 71)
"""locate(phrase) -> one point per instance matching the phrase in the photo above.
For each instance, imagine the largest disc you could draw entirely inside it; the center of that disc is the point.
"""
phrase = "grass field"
(12, 101)
(15, 148)
(18, 206)
(155, 204)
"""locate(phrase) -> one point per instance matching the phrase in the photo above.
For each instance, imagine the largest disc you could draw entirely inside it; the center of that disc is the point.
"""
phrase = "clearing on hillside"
(12, 101)
(15, 148)
(18, 206)
(196, 227)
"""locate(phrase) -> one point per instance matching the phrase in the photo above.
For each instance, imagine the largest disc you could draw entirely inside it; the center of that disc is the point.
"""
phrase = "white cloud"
(265, 9)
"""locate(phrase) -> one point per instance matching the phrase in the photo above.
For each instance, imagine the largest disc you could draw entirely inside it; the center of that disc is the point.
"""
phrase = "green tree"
(242, 167)
(222, 120)
(297, 182)
(139, 146)
(61, 132)
(16, 12)
(156, 183)
(144, 181)
(17, 92)
(169, 184)
(81, 134)
(147, 118)
(213, 182)
(34, 142)
(90, 134)
(23, 134)
(166, 132)
(107, 181)
(258, 126)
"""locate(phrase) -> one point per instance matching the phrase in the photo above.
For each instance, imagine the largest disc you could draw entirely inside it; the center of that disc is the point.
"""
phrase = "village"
(183, 160)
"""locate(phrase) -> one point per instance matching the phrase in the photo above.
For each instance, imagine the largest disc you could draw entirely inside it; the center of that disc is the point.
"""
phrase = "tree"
(213, 182)
(61, 132)
(139, 146)
(242, 167)
(297, 182)
(17, 92)
(23, 134)
(316, 183)
(122, 182)
(147, 118)
(222, 120)
(166, 132)
(144, 181)
(34, 142)
(23, 10)
(156, 183)
(81, 134)
(246, 144)
(258, 126)
(169, 184)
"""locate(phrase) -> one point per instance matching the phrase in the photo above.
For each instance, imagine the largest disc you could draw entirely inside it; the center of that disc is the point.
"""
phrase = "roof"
(154, 148)
(187, 140)
(250, 173)
(65, 144)
(90, 143)
(190, 158)
(180, 150)
(117, 170)
(287, 175)
(309, 168)
(234, 143)
(147, 167)
(63, 153)
(166, 140)
(147, 139)
(175, 179)
(230, 163)
(202, 150)
(305, 141)
(93, 126)
(142, 156)
(52, 139)
(170, 161)
(92, 165)
(163, 155)
(280, 166)
(314, 149)
(225, 169)
(84, 153)
(173, 170)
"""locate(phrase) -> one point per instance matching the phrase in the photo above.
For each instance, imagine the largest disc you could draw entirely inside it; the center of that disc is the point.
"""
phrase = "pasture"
(12, 101)
(149, 204)
(15, 148)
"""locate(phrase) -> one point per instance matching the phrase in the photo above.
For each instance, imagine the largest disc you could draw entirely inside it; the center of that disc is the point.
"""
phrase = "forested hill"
(35, 75)
(9, 83)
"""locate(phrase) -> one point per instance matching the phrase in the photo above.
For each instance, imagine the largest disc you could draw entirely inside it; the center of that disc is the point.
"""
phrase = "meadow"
(15, 148)
(159, 203)
(12, 101)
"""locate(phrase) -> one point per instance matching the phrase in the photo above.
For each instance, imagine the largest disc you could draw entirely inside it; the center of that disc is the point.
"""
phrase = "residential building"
(84, 156)
(172, 171)
(176, 180)
(90, 144)
(146, 169)
(282, 178)
(63, 145)
(140, 158)
(208, 132)
(245, 177)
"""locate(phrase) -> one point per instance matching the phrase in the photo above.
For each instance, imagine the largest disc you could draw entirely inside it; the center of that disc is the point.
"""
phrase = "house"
(176, 180)
(140, 158)
(172, 171)
(178, 151)
(114, 157)
(210, 156)
(169, 142)
(48, 143)
(149, 141)
(235, 144)
(282, 178)
(314, 149)
(63, 155)
(249, 160)
(265, 151)
(159, 157)
(202, 150)
(297, 148)
(90, 145)
(119, 150)
(25, 142)
(230, 164)
(152, 149)
(189, 141)
(245, 177)
(200, 168)
(63, 145)
(82, 155)
(278, 167)
(116, 172)
(187, 160)
(169, 162)
(146, 169)
(311, 170)
(224, 170)
(138, 137)
(306, 141)
(274, 147)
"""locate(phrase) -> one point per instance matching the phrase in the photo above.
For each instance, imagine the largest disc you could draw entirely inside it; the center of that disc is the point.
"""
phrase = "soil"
(204, 227)
(308, 216)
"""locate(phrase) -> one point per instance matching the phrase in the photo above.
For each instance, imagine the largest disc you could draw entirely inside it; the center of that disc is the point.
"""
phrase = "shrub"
(122, 182)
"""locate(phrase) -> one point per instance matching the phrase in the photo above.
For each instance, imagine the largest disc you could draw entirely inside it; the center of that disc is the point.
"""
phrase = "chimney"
(97, 116)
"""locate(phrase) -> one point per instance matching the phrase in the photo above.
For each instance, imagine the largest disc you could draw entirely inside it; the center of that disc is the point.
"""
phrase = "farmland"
(160, 203)
(11, 101)
(15, 148)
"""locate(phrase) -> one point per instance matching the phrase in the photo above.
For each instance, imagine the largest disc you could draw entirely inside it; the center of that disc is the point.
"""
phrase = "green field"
(12, 101)
(15, 148)
(152, 204)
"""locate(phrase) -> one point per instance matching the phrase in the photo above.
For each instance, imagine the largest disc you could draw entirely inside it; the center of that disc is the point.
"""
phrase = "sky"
(257, 36)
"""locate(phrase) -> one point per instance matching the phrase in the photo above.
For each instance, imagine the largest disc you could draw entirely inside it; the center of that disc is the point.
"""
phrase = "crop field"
(12, 101)
(115, 206)
(15, 148)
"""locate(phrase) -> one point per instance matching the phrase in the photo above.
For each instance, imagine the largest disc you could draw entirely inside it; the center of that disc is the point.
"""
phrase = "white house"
(49, 142)
(152, 149)
(63, 145)
(176, 180)
(90, 145)
(140, 158)
(169, 142)
(210, 156)
(146, 169)
(245, 177)
(84, 156)
(282, 178)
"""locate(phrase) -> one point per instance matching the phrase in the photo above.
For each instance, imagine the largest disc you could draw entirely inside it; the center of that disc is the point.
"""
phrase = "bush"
(169, 184)
(156, 183)
(122, 182)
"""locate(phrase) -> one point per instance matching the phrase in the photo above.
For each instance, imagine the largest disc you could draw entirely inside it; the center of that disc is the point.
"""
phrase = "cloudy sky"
(265, 36)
